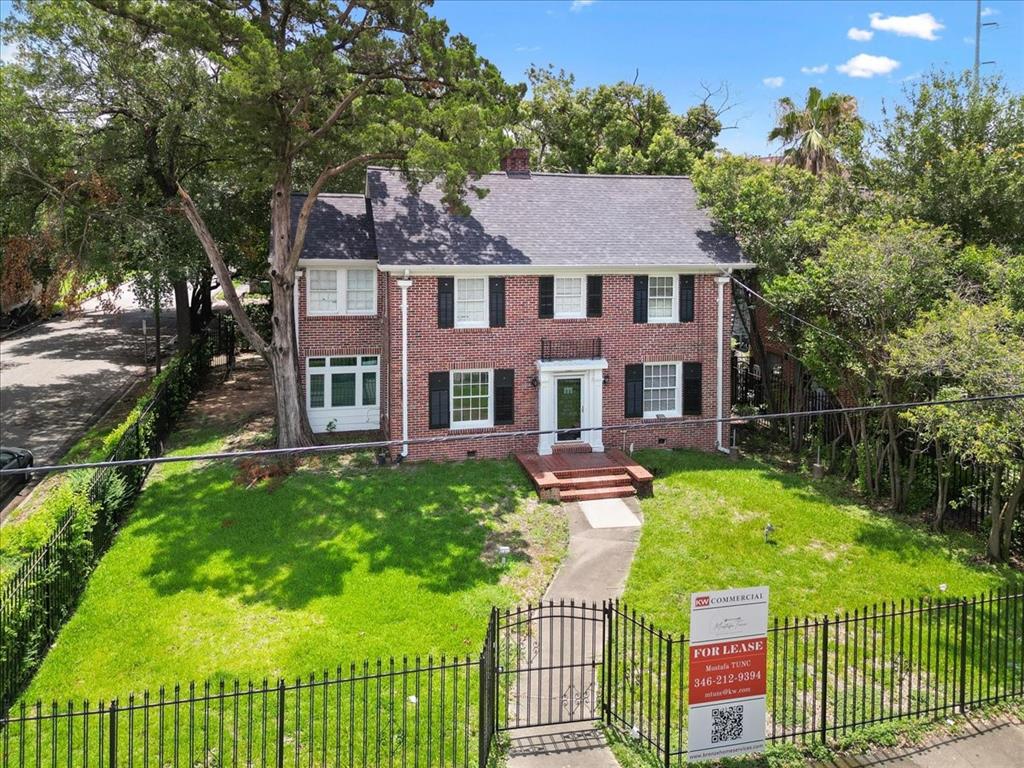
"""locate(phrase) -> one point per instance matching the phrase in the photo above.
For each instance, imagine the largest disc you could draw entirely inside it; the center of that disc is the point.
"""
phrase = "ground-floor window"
(342, 382)
(471, 399)
(661, 389)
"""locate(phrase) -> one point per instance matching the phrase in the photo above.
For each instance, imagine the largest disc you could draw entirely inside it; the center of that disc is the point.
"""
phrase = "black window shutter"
(496, 292)
(686, 298)
(439, 418)
(634, 390)
(504, 396)
(446, 302)
(639, 298)
(594, 285)
(546, 297)
(693, 391)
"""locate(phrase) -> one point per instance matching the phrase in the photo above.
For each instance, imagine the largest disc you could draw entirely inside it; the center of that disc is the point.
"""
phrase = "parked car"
(13, 458)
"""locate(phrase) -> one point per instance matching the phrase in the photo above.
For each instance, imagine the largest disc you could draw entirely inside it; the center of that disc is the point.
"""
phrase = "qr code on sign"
(726, 724)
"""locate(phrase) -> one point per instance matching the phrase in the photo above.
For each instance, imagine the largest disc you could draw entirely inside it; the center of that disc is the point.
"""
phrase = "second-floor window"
(570, 299)
(471, 302)
(661, 295)
(341, 291)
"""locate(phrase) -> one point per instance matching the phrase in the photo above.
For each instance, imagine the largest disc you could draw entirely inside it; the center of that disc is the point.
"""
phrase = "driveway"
(58, 377)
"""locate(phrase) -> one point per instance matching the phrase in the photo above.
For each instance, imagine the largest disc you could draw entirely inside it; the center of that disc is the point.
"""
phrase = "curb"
(29, 326)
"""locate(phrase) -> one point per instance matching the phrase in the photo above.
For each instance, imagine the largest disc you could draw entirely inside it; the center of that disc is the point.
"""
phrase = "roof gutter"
(546, 269)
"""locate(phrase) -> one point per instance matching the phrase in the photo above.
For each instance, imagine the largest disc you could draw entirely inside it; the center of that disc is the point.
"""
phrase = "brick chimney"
(516, 162)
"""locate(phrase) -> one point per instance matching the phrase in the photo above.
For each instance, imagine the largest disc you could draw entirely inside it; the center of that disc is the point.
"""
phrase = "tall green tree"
(306, 92)
(953, 155)
(622, 128)
(815, 135)
(961, 349)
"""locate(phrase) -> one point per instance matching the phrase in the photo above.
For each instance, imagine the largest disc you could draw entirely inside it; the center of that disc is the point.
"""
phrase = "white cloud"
(860, 35)
(989, 11)
(968, 41)
(821, 69)
(920, 25)
(774, 82)
(866, 65)
(579, 5)
(911, 77)
(527, 48)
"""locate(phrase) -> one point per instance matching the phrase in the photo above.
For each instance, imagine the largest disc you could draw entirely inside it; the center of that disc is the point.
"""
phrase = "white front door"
(570, 400)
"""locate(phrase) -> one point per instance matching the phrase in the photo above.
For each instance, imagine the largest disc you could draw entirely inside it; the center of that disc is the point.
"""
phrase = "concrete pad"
(609, 513)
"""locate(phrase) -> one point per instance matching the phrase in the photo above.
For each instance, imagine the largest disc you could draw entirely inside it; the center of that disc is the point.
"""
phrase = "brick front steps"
(576, 475)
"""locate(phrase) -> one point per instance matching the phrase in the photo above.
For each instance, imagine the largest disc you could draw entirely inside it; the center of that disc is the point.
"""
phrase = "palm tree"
(811, 136)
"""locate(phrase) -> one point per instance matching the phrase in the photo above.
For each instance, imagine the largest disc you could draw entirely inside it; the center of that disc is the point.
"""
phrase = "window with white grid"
(569, 298)
(660, 298)
(661, 389)
(471, 399)
(471, 302)
(323, 292)
(360, 290)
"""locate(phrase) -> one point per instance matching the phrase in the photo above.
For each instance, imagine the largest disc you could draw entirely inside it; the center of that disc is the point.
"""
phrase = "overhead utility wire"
(653, 424)
(777, 308)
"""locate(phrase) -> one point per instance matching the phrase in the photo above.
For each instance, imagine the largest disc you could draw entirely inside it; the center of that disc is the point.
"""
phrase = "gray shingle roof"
(544, 220)
(548, 220)
(339, 228)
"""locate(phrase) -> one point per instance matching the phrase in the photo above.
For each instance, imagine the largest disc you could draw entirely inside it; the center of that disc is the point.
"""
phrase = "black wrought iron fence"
(570, 349)
(41, 594)
(540, 665)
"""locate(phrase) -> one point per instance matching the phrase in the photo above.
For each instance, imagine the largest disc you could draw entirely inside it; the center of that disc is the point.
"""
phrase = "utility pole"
(977, 42)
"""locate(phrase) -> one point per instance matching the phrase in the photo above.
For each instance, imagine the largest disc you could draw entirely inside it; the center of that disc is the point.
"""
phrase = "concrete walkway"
(983, 744)
(594, 570)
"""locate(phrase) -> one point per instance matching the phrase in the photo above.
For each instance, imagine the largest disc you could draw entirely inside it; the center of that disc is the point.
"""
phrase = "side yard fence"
(546, 664)
(42, 593)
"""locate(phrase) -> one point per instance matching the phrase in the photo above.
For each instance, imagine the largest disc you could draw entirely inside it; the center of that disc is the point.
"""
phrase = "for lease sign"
(728, 657)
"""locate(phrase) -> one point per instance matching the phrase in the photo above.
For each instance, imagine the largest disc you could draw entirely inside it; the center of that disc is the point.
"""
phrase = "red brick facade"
(517, 346)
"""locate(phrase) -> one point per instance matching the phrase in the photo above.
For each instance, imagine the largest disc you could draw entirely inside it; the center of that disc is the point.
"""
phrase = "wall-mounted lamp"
(534, 382)
(605, 379)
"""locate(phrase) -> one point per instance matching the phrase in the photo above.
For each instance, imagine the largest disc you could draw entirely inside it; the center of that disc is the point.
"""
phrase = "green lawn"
(704, 529)
(211, 579)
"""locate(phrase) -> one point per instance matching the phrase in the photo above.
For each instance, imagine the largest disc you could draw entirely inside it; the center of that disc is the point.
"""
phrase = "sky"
(762, 50)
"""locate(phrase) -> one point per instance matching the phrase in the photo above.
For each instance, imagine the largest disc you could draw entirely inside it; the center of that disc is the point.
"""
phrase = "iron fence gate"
(549, 659)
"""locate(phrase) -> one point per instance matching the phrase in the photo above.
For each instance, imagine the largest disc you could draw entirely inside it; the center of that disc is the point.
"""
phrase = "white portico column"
(722, 281)
(405, 284)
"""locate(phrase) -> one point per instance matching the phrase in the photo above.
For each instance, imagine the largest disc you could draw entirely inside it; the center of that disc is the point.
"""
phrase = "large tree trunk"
(292, 425)
(182, 315)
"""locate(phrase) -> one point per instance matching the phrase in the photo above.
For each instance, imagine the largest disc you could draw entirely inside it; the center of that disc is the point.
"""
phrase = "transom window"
(342, 382)
(341, 291)
(570, 300)
(661, 389)
(661, 293)
(471, 302)
(471, 399)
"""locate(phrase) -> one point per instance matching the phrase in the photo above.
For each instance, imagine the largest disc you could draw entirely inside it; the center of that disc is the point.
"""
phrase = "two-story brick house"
(576, 303)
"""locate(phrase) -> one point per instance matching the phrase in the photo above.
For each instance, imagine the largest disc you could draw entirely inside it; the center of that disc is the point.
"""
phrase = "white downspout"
(295, 308)
(405, 284)
(722, 281)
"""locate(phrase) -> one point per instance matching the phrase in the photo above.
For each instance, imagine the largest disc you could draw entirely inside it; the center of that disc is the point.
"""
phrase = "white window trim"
(485, 322)
(582, 313)
(480, 424)
(358, 369)
(342, 289)
(675, 299)
(678, 410)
